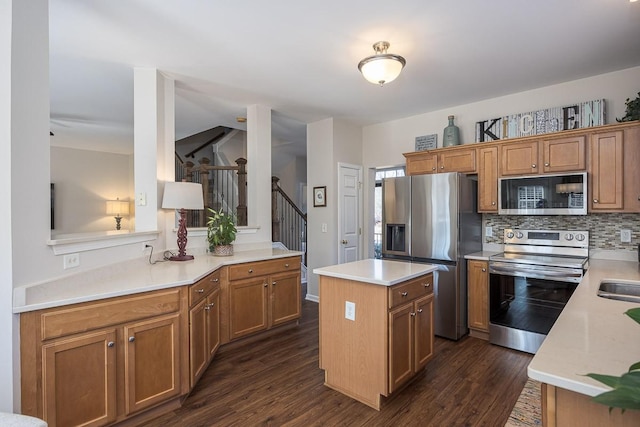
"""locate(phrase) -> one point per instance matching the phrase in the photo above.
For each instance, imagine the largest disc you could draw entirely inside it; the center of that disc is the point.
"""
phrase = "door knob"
(110, 344)
(132, 339)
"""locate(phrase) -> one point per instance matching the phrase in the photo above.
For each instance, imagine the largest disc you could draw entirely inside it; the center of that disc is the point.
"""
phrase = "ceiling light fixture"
(382, 67)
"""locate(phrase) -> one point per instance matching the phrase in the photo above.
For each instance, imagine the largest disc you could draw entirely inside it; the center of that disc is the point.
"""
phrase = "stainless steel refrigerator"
(434, 219)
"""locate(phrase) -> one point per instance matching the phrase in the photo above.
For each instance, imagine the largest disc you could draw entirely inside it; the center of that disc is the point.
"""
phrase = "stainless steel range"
(530, 283)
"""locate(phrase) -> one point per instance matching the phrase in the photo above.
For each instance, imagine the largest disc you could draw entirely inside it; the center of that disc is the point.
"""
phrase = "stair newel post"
(241, 210)
(204, 180)
(188, 167)
(275, 217)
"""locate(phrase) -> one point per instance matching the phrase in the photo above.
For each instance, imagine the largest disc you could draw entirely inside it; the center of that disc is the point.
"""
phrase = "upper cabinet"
(488, 179)
(551, 155)
(459, 159)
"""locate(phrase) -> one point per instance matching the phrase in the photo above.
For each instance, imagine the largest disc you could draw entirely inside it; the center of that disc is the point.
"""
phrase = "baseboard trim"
(312, 298)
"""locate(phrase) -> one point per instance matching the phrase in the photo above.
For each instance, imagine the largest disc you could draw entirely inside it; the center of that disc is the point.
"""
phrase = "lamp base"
(181, 258)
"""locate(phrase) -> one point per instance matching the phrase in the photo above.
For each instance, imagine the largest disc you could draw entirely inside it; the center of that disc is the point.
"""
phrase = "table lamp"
(183, 196)
(117, 208)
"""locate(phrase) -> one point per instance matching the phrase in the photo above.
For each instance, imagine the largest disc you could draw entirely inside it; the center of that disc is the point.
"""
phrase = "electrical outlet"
(488, 231)
(324, 227)
(625, 236)
(71, 261)
(141, 200)
(350, 310)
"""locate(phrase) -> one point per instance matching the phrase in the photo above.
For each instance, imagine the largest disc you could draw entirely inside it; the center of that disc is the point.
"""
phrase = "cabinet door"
(79, 380)
(422, 163)
(519, 158)
(458, 160)
(488, 179)
(401, 345)
(606, 171)
(247, 307)
(423, 320)
(564, 154)
(152, 361)
(478, 284)
(285, 298)
(213, 323)
(198, 348)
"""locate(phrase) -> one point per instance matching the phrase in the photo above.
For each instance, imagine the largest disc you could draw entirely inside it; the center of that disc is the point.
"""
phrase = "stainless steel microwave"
(564, 194)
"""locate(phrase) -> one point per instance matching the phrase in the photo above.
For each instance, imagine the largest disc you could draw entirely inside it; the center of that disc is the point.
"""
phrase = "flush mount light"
(382, 67)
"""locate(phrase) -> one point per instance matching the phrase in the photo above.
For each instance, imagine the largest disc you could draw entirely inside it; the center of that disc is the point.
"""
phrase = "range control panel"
(564, 238)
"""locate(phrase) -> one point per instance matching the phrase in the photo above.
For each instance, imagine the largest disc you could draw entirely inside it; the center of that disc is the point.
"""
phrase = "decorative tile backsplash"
(604, 229)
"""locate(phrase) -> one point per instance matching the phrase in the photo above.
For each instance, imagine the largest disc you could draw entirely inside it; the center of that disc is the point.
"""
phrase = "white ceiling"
(301, 58)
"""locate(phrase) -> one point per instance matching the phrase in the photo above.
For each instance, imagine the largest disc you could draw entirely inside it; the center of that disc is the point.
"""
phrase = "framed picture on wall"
(319, 196)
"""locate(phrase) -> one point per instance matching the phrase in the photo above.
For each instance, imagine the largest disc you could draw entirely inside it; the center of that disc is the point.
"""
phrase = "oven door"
(524, 303)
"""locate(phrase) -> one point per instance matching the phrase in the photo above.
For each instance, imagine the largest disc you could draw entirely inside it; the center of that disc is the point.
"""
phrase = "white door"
(349, 212)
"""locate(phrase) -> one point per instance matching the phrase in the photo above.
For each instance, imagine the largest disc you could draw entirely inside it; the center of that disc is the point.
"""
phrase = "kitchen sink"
(622, 291)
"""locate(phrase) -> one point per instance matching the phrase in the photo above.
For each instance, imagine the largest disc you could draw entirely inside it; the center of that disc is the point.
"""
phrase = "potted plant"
(633, 110)
(221, 232)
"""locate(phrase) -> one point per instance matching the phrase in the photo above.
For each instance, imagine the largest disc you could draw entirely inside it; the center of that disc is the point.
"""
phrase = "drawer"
(60, 322)
(410, 290)
(263, 268)
(203, 287)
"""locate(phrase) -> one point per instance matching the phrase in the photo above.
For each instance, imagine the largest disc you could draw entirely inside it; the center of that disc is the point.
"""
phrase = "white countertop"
(592, 335)
(129, 277)
(482, 255)
(376, 271)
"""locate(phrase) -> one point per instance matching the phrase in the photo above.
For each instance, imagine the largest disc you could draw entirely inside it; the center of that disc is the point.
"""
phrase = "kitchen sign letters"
(582, 115)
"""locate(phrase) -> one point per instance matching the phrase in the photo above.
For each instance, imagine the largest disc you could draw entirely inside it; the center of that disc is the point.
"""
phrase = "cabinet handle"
(484, 270)
(546, 164)
(533, 166)
(412, 314)
(419, 310)
(110, 344)
(286, 266)
(433, 168)
(215, 280)
(426, 285)
(595, 200)
(251, 270)
(200, 291)
(132, 339)
(209, 306)
(404, 294)
(274, 283)
(266, 284)
(493, 203)
(442, 167)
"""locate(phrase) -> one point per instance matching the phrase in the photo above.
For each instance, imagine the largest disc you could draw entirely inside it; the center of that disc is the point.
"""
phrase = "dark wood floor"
(276, 382)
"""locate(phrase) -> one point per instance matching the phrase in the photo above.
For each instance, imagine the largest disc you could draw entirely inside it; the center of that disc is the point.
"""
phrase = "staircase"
(288, 222)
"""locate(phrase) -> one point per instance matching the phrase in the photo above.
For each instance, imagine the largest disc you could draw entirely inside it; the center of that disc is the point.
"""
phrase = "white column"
(154, 139)
(24, 169)
(259, 172)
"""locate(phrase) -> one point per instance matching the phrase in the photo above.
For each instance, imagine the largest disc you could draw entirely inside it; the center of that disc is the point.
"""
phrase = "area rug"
(527, 411)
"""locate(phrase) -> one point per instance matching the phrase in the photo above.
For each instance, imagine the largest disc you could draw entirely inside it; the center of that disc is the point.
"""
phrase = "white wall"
(84, 180)
(329, 142)
(384, 143)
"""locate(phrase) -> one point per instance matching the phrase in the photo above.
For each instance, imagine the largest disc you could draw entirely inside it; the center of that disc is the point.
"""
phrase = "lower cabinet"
(204, 324)
(262, 295)
(410, 340)
(103, 362)
(478, 298)
(387, 340)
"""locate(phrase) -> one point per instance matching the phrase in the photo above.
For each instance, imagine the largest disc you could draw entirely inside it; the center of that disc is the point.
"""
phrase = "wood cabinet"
(410, 340)
(100, 362)
(478, 298)
(446, 160)
(204, 324)
(550, 155)
(488, 179)
(614, 175)
(262, 295)
(388, 341)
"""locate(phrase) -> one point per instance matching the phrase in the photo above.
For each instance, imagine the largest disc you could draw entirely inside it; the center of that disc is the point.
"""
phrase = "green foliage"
(221, 228)
(633, 110)
(626, 388)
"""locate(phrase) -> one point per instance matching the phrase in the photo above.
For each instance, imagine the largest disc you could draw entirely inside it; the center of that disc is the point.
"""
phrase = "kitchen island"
(591, 336)
(376, 326)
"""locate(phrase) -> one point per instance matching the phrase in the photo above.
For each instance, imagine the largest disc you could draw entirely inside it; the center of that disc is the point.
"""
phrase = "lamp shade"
(382, 67)
(182, 195)
(117, 207)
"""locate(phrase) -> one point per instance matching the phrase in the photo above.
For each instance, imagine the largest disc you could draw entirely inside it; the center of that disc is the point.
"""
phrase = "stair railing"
(288, 222)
